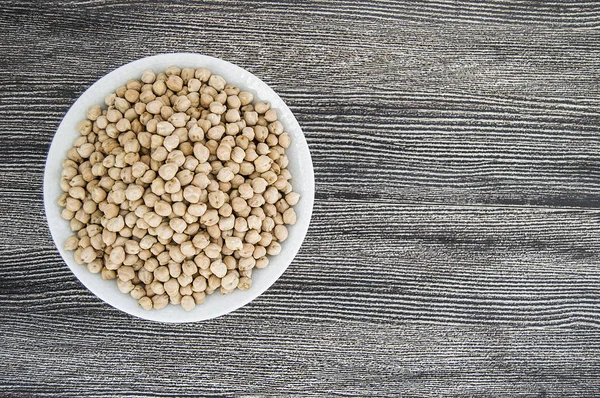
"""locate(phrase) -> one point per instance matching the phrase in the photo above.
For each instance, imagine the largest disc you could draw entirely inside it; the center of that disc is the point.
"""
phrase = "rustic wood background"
(455, 245)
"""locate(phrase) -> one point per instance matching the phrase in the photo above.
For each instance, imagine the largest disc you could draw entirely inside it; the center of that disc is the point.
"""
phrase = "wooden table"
(454, 247)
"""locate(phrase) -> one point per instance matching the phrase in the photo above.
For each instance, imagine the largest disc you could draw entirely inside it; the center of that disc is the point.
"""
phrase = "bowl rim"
(286, 117)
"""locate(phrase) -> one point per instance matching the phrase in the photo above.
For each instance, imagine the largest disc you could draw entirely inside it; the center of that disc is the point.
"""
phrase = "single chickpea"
(188, 303)
(218, 268)
(289, 216)
(230, 281)
(212, 251)
(262, 262)
(160, 301)
(146, 303)
(245, 98)
(217, 82)
(280, 232)
(192, 194)
(162, 274)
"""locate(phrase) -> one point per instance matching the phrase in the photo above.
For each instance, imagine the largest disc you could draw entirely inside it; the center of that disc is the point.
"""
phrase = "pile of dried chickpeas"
(179, 188)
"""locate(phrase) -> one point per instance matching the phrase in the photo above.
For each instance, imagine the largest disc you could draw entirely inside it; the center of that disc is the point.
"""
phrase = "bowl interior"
(300, 165)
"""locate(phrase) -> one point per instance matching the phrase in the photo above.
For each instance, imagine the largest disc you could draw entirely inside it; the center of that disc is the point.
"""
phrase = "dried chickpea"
(179, 188)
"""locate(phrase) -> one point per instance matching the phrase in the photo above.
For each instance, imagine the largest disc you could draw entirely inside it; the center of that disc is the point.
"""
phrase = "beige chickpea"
(108, 274)
(134, 192)
(202, 261)
(163, 208)
(268, 224)
(271, 195)
(201, 152)
(245, 98)
(188, 249)
(261, 107)
(259, 185)
(216, 132)
(226, 223)
(188, 303)
(233, 102)
(164, 128)
(162, 274)
(280, 232)
(72, 243)
(256, 201)
(125, 286)
(199, 284)
(171, 142)
(289, 216)
(148, 76)
(197, 209)
(160, 301)
(172, 186)
(262, 163)
(171, 286)
(73, 205)
(260, 251)
(115, 224)
(251, 118)
(262, 262)
(185, 280)
(253, 236)
(125, 273)
(234, 243)
(244, 283)
(176, 298)
(146, 303)
(230, 281)
(292, 198)
(178, 119)
(254, 222)
(189, 268)
(200, 241)
(265, 239)
(179, 209)
(88, 254)
(214, 282)
(199, 297)
(247, 250)
(94, 112)
(275, 128)
(218, 268)
(212, 251)
(192, 194)
(77, 192)
(217, 82)
(284, 140)
(177, 224)
(246, 263)
(95, 266)
(216, 199)
(167, 171)
(202, 74)
(271, 115)
(261, 133)
(274, 249)
(157, 287)
(174, 83)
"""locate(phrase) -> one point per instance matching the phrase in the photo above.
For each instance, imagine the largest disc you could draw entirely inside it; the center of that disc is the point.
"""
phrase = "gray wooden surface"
(454, 247)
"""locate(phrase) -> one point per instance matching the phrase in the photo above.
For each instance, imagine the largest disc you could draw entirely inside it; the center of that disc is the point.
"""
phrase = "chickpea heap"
(179, 188)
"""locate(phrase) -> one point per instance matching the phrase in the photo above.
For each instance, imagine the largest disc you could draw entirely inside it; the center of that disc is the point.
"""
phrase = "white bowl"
(300, 165)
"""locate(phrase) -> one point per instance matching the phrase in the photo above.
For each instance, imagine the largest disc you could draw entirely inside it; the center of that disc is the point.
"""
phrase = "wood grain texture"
(453, 249)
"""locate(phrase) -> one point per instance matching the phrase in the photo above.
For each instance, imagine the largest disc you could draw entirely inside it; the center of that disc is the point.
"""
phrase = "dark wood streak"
(454, 244)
